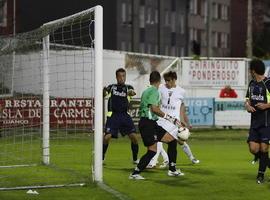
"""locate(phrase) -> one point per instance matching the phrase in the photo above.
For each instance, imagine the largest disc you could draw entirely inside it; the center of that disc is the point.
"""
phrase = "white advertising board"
(231, 112)
(213, 72)
(232, 118)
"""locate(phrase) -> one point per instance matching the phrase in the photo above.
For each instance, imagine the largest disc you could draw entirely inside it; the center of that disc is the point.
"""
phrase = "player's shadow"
(177, 181)
(248, 176)
(194, 171)
(199, 171)
(252, 178)
(187, 164)
(117, 168)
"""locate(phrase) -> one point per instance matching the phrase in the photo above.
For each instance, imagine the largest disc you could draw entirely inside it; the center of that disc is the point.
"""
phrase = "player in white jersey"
(172, 97)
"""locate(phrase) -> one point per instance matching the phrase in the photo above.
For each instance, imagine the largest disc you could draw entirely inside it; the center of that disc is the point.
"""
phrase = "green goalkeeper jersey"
(150, 96)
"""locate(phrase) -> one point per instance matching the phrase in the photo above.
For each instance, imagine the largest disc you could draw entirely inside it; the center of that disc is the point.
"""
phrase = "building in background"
(209, 25)
(167, 27)
(238, 28)
(154, 26)
(260, 27)
(8, 21)
(145, 26)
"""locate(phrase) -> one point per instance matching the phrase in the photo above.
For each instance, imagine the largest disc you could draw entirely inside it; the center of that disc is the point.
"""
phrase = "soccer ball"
(183, 133)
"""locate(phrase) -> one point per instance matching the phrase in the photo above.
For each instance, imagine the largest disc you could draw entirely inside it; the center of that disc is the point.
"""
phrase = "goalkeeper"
(118, 118)
(151, 133)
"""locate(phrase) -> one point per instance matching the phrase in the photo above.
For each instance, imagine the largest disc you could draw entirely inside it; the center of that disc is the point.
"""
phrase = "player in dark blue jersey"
(258, 104)
(118, 119)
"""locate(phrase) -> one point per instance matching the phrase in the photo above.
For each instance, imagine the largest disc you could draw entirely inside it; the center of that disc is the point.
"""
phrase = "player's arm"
(248, 106)
(105, 93)
(106, 90)
(262, 106)
(153, 103)
(131, 91)
(155, 109)
(184, 117)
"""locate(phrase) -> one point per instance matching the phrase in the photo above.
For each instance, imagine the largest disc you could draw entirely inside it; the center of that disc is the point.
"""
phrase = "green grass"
(225, 172)
(77, 193)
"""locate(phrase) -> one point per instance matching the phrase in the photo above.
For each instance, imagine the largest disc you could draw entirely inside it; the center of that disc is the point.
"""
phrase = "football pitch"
(225, 172)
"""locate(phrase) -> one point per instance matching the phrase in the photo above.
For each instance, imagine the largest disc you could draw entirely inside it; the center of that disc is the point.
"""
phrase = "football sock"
(105, 147)
(172, 154)
(135, 150)
(257, 156)
(260, 174)
(164, 155)
(264, 159)
(145, 159)
(187, 150)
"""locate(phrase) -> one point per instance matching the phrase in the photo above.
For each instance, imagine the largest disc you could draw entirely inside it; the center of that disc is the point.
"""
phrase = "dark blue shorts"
(119, 122)
(260, 135)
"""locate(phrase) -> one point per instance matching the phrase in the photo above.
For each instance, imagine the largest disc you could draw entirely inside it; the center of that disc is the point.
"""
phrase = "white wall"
(71, 74)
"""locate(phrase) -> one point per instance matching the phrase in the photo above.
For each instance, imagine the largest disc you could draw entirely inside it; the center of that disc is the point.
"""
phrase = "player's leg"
(111, 131)
(254, 148)
(185, 147)
(172, 150)
(165, 158)
(147, 129)
(172, 154)
(127, 127)
(263, 162)
(144, 161)
(264, 155)
(134, 147)
(256, 157)
(154, 160)
(106, 140)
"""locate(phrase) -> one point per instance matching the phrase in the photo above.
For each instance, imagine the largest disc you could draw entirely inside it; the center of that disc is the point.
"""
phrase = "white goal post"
(98, 141)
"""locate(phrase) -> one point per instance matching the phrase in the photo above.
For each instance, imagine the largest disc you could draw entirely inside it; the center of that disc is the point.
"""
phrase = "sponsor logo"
(121, 94)
(257, 97)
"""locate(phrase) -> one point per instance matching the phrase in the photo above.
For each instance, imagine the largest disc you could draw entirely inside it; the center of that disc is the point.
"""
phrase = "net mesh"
(71, 97)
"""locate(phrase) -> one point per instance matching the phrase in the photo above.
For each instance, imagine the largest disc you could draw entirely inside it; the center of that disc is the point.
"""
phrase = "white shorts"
(168, 126)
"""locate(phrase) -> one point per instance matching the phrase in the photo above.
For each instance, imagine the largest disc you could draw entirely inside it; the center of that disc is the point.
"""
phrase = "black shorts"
(260, 135)
(119, 122)
(150, 131)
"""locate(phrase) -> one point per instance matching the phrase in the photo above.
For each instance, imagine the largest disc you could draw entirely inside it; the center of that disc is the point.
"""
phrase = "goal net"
(51, 103)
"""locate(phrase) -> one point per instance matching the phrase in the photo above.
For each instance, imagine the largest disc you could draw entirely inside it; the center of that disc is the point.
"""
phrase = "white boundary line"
(42, 187)
(112, 191)
(15, 166)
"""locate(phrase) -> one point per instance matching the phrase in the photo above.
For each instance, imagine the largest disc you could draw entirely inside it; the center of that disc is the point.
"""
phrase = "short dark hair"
(120, 70)
(154, 77)
(170, 75)
(258, 66)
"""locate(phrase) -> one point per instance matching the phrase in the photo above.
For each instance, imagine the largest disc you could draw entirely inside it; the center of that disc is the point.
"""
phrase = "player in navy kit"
(118, 119)
(258, 104)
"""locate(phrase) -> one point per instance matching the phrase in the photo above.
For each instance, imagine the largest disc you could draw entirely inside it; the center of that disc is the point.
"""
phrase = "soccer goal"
(51, 104)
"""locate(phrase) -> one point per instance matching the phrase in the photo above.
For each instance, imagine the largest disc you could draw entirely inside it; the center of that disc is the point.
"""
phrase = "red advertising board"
(64, 112)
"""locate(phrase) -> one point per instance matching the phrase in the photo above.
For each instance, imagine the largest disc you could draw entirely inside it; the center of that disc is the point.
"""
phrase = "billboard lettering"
(64, 112)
